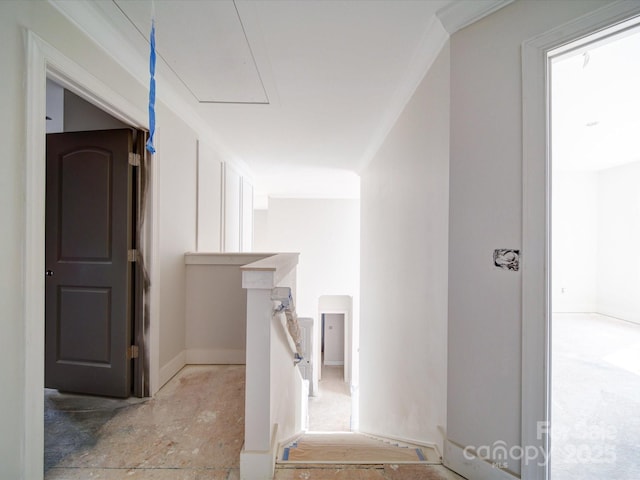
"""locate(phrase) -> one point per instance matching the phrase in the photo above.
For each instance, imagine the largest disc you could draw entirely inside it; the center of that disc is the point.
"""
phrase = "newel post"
(256, 460)
(258, 456)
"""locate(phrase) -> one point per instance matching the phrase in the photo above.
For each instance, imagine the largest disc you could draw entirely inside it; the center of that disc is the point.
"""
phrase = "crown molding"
(429, 47)
(458, 15)
(447, 21)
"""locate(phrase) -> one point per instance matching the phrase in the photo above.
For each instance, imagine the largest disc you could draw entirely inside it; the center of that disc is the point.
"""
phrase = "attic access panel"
(205, 45)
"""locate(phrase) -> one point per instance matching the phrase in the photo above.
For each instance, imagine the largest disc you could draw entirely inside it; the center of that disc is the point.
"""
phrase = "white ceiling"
(596, 105)
(301, 91)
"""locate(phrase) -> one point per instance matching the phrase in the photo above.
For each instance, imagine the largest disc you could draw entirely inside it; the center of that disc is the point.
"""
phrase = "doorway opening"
(330, 408)
(95, 280)
(331, 404)
(595, 261)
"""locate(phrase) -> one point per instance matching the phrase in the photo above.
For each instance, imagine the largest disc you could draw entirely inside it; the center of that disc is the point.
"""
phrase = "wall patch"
(506, 259)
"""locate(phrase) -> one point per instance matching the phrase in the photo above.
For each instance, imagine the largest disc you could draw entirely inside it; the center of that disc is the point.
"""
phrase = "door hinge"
(132, 352)
(134, 159)
(132, 255)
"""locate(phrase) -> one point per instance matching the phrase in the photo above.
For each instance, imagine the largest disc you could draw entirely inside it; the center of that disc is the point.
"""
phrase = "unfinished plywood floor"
(193, 429)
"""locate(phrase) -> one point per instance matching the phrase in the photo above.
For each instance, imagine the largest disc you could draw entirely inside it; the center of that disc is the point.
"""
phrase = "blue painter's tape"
(420, 455)
(152, 89)
(285, 454)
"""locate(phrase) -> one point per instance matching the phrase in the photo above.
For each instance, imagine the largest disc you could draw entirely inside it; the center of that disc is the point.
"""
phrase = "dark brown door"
(88, 275)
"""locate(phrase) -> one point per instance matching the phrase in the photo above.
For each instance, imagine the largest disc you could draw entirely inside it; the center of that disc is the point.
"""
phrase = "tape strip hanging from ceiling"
(152, 82)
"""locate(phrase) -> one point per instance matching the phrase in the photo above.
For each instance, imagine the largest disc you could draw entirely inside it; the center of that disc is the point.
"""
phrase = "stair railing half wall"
(275, 400)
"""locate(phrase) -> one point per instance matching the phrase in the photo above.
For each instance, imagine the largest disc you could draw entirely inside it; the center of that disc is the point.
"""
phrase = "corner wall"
(575, 241)
(618, 261)
(403, 326)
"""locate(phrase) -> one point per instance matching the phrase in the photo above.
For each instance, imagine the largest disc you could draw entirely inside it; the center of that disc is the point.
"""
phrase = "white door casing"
(536, 227)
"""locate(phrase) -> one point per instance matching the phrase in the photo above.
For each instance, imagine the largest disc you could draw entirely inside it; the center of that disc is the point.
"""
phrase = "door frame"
(350, 352)
(536, 226)
(44, 61)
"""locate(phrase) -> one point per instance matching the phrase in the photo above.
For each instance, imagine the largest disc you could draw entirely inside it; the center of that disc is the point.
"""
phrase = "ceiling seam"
(253, 58)
(157, 52)
(223, 102)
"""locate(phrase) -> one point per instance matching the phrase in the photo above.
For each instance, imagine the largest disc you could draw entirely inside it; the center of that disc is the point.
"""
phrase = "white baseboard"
(472, 467)
(216, 356)
(259, 465)
(408, 441)
(169, 369)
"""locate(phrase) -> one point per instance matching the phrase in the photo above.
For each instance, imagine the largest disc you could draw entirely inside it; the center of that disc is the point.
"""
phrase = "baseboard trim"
(169, 369)
(408, 441)
(216, 356)
(260, 465)
(470, 466)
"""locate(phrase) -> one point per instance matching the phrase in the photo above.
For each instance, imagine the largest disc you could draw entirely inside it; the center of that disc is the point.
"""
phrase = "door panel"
(334, 339)
(84, 232)
(88, 282)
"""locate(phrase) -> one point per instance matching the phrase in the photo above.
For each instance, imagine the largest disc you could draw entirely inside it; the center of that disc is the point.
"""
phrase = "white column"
(257, 459)
(257, 436)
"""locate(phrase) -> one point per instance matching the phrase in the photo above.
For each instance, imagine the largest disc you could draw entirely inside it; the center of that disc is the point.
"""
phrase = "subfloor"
(191, 430)
(595, 408)
(330, 410)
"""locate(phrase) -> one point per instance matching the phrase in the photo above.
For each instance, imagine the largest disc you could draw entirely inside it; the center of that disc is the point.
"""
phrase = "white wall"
(246, 217)
(55, 107)
(575, 241)
(237, 210)
(618, 260)
(12, 241)
(216, 308)
(232, 209)
(209, 198)
(484, 373)
(81, 116)
(176, 147)
(403, 316)
(596, 231)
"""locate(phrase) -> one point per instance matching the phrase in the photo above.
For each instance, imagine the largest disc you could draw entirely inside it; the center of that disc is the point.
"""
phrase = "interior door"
(88, 297)
(334, 338)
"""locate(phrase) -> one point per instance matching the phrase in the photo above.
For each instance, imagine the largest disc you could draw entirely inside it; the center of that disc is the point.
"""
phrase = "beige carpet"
(347, 448)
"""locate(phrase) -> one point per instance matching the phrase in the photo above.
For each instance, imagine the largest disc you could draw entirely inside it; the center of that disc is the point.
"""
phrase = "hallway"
(191, 430)
(330, 410)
